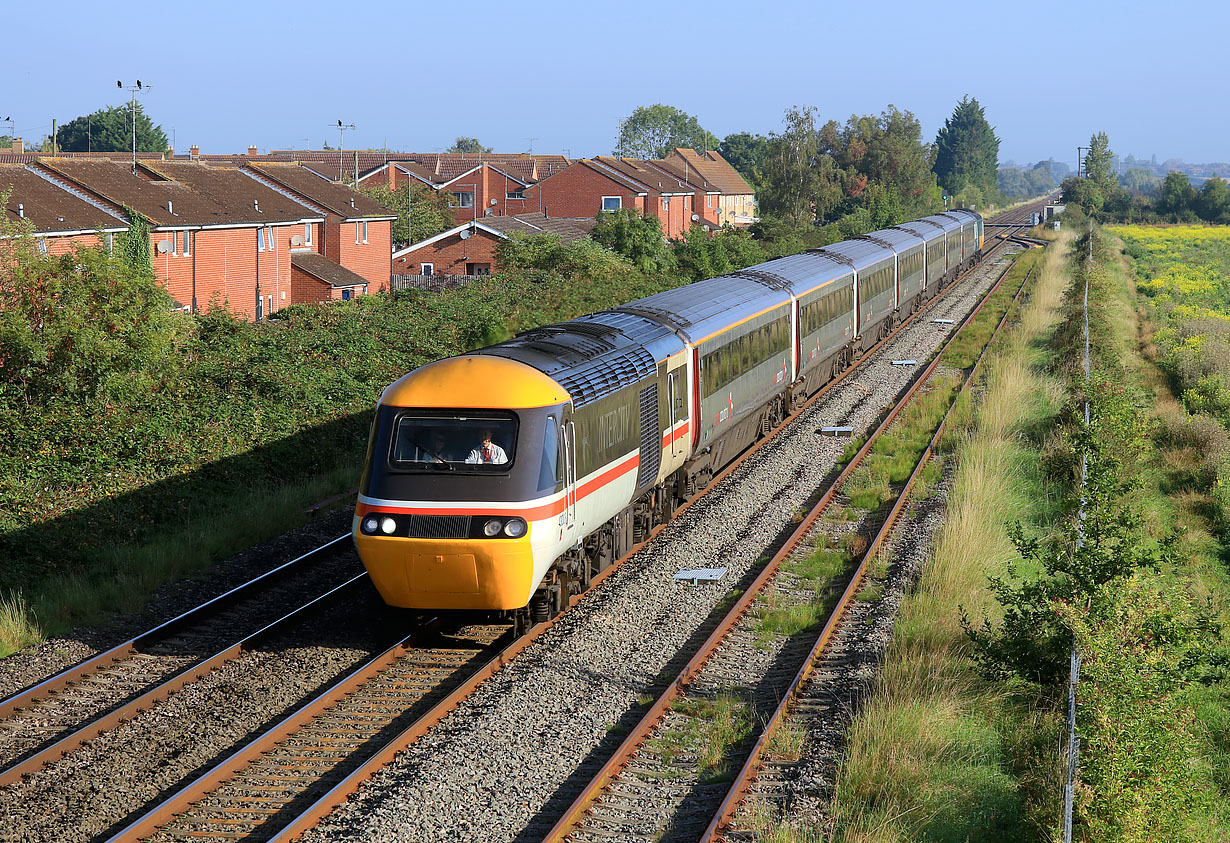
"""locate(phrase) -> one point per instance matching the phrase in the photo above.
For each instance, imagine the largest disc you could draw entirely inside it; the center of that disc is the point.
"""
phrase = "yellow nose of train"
(471, 570)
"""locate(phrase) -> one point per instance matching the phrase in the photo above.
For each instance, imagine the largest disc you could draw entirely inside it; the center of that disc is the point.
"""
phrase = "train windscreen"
(454, 441)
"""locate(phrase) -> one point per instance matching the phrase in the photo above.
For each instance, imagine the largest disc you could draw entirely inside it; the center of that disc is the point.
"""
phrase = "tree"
(799, 184)
(470, 145)
(1099, 164)
(1178, 195)
(1214, 202)
(110, 130)
(745, 152)
(638, 238)
(422, 211)
(967, 151)
(653, 131)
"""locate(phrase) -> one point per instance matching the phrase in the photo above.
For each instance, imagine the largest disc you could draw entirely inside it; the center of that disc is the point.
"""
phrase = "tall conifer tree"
(967, 151)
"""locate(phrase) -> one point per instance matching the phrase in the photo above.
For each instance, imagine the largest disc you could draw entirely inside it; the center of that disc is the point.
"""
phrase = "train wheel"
(521, 621)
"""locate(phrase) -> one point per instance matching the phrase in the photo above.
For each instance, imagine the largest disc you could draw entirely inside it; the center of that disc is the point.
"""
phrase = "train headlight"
(515, 528)
(387, 525)
(492, 527)
(370, 525)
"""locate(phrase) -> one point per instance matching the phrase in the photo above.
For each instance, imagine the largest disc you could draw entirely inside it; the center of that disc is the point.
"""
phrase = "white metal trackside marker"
(696, 575)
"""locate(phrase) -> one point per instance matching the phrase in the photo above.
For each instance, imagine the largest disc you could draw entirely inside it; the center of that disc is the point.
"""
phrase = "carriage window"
(452, 441)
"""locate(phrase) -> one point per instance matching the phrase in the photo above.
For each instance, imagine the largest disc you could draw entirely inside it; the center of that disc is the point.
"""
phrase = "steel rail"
(112, 719)
(574, 814)
(25, 698)
(439, 711)
(319, 809)
(751, 765)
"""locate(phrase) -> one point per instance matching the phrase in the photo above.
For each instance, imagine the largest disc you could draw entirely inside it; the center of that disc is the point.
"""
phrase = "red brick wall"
(226, 262)
(451, 255)
(577, 191)
(64, 245)
(373, 259)
(488, 184)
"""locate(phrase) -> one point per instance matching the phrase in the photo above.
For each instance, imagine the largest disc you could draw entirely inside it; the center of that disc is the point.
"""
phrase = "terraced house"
(221, 236)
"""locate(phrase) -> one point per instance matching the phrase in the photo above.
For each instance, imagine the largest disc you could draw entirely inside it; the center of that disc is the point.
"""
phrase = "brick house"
(216, 235)
(737, 198)
(470, 248)
(358, 231)
(62, 220)
(585, 188)
(315, 278)
(479, 186)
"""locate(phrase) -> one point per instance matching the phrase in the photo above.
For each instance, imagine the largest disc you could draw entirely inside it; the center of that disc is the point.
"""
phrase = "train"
(505, 478)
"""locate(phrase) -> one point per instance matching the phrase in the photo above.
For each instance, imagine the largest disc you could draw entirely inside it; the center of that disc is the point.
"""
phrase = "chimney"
(256, 206)
(19, 145)
(351, 201)
(170, 210)
(194, 151)
(251, 150)
(21, 210)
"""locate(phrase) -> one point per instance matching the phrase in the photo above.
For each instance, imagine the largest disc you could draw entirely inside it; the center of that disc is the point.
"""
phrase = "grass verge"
(938, 753)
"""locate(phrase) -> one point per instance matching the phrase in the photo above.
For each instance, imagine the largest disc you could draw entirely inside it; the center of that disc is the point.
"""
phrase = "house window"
(307, 232)
(514, 194)
(666, 204)
(269, 239)
(260, 240)
(429, 269)
(109, 239)
(612, 203)
(478, 269)
(42, 246)
(187, 243)
(346, 294)
(462, 200)
(365, 231)
(360, 232)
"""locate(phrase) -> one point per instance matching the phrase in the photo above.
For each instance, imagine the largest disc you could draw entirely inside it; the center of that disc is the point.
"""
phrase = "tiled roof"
(601, 165)
(49, 207)
(688, 175)
(197, 195)
(334, 196)
(643, 172)
(714, 169)
(323, 269)
(568, 228)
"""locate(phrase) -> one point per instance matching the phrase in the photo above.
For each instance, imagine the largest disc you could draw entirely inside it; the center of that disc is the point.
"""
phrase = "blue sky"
(415, 76)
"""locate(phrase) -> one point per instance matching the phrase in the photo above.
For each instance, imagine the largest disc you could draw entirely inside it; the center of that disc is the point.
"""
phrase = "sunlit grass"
(83, 599)
(930, 757)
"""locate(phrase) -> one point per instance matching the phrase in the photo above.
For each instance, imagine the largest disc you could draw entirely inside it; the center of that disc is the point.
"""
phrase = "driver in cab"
(487, 452)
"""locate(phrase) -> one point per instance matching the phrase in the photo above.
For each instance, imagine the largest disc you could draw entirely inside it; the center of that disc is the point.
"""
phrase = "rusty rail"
(574, 814)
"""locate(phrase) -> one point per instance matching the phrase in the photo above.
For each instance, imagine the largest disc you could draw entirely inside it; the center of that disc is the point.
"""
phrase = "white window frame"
(513, 194)
(460, 199)
(187, 244)
(42, 245)
(269, 238)
(666, 203)
(260, 240)
(307, 233)
(364, 231)
(619, 203)
(109, 239)
(427, 269)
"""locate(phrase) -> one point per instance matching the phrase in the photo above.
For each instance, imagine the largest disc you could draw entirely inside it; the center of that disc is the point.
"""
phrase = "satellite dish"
(164, 246)
(465, 234)
(495, 201)
(695, 218)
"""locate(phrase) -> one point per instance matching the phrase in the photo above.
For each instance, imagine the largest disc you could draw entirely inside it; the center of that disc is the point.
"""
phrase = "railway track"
(670, 779)
(45, 722)
(407, 689)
